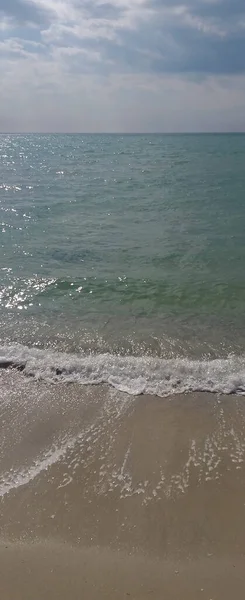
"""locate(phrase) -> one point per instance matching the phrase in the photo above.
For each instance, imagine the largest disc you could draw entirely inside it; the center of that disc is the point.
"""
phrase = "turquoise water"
(124, 245)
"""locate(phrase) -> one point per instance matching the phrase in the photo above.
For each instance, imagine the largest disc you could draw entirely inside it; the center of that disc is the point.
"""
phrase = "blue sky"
(122, 65)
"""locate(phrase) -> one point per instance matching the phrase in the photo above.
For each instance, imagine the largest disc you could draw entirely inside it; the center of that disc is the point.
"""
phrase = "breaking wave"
(131, 374)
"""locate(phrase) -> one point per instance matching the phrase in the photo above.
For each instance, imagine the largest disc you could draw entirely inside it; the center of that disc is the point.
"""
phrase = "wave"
(131, 374)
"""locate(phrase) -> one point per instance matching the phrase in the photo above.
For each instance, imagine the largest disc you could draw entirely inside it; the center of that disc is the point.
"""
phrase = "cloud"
(199, 36)
(23, 11)
(51, 50)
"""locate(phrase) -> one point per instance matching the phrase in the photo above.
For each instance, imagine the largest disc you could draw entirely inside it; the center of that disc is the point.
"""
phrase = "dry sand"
(110, 496)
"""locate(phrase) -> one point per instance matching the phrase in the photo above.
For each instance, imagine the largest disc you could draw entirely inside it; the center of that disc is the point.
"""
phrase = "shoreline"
(131, 374)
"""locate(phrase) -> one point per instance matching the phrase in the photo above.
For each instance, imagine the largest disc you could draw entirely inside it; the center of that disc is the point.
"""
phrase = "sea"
(122, 261)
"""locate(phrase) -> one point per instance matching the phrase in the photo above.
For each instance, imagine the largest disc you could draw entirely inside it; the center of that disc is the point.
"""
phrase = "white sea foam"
(134, 375)
(15, 479)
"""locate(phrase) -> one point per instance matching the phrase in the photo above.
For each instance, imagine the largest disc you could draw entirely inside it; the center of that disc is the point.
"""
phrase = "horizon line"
(122, 133)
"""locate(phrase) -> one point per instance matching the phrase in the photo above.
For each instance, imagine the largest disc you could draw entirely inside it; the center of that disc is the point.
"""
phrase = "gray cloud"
(181, 49)
(164, 36)
(23, 12)
(201, 37)
(222, 9)
(107, 10)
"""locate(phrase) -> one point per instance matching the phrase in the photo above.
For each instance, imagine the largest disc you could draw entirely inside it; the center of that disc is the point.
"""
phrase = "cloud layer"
(122, 65)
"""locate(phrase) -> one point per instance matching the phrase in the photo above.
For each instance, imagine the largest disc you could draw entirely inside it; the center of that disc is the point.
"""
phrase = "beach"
(107, 495)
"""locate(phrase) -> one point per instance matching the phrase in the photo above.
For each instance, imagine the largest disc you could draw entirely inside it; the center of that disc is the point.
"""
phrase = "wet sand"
(104, 495)
(59, 571)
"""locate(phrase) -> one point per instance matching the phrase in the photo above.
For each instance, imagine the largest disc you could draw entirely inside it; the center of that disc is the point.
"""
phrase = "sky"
(122, 65)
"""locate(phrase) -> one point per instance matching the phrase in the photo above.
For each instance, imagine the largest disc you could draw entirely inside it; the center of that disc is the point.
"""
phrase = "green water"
(123, 243)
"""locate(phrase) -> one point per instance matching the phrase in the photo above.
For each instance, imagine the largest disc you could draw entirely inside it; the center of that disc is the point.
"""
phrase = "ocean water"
(122, 260)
